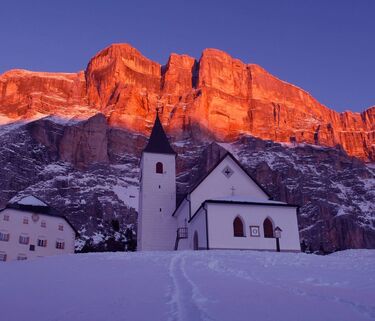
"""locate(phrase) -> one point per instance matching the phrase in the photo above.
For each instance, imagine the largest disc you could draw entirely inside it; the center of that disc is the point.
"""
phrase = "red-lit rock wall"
(218, 94)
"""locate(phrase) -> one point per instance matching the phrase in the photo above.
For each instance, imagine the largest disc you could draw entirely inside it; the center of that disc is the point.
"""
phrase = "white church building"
(227, 209)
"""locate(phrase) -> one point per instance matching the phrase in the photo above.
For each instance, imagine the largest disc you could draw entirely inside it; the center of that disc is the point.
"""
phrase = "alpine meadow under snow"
(203, 285)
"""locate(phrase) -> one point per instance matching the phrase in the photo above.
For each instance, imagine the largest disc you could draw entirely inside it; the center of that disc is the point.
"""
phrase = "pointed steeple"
(158, 142)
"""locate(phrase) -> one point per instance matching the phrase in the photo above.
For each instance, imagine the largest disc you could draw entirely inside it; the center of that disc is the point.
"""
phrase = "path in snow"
(181, 286)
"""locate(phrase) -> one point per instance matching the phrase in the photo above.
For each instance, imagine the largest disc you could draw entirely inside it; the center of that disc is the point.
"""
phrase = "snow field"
(179, 286)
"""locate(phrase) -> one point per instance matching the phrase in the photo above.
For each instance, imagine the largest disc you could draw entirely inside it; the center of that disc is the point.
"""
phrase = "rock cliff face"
(217, 95)
(89, 171)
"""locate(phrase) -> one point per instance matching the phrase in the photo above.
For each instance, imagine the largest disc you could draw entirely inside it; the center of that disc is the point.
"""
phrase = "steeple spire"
(158, 142)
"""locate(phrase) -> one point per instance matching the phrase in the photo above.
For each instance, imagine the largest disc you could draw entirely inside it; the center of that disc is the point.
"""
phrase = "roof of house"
(33, 204)
(158, 142)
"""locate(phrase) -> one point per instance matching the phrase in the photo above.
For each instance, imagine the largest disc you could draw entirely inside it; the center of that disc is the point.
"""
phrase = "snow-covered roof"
(33, 204)
(244, 199)
(31, 200)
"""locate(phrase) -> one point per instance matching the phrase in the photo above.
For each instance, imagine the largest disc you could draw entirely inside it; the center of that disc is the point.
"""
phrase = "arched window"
(159, 168)
(196, 243)
(268, 228)
(238, 227)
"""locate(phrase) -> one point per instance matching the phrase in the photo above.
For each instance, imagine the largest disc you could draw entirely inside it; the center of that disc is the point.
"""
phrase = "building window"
(21, 257)
(4, 236)
(32, 247)
(238, 230)
(61, 227)
(25, 220)
(24, 239)
(159, 168)
(6, 217)
(60, 245)
(3, 256)
(268, 228)
(43, 224)
(42, 242)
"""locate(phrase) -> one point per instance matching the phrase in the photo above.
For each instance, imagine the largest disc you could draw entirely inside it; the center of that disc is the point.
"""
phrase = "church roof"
(228, 154)
(244, 199)
(239, 165)
(158, 142)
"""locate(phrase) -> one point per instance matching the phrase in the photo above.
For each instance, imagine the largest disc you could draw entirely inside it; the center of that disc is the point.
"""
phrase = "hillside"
(186, 286)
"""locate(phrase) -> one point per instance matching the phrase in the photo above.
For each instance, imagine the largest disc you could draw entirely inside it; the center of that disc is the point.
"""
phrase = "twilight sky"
(325, 47)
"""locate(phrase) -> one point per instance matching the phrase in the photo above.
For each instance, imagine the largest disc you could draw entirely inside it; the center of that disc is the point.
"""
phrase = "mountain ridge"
(217, 94)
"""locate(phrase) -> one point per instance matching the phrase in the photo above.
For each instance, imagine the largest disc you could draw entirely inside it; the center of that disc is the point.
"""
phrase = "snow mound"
(203, 285)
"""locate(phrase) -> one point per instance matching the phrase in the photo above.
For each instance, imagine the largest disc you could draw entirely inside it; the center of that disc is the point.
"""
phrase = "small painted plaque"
(254, 231)
(227, 171)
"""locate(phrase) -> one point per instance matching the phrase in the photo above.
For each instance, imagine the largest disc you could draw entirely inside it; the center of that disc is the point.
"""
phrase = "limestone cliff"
(218, 95)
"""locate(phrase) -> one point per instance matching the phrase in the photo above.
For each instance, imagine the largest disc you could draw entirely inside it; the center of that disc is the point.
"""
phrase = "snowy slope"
(205, 285)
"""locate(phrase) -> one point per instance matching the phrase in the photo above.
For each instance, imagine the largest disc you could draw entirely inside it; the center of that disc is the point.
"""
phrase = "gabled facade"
(29, 228)
(227, 209)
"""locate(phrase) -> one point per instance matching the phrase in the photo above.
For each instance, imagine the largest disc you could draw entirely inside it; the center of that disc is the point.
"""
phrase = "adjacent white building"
(227, 209)
(30, 228)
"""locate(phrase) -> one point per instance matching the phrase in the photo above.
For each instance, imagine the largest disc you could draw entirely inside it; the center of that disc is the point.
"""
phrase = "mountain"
(218, 95)
(74, 140)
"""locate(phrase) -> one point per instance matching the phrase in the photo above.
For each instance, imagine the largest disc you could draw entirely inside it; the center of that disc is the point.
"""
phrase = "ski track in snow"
(186, 299)
(191, 286)
(216, 266)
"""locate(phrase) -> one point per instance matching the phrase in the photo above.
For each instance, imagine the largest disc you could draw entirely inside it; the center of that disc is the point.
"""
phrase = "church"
(226, 209)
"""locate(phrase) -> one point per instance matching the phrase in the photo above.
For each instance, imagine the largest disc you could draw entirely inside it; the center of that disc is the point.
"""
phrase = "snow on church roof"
(238, 199)
(244, 199)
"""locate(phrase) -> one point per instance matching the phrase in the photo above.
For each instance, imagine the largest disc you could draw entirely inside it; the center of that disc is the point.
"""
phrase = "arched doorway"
(238, 229)
(268, 228)
(195, 241)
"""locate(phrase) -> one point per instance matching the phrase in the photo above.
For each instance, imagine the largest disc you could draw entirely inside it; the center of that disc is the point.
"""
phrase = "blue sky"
(325, 47)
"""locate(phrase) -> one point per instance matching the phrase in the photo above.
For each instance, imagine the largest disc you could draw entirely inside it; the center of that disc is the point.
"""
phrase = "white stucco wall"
(157, 229)
(198, 223)
(220, 226)
(182, 217)
(218, 185)
(51, 233)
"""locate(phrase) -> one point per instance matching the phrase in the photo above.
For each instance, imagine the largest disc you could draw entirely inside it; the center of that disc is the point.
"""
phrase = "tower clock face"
(35, 217)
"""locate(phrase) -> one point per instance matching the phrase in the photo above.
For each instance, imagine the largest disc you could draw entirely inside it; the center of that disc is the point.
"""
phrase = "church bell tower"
(157, 195)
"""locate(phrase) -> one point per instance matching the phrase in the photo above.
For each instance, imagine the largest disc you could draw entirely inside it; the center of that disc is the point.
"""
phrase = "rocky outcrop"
(24, 94)
(217, 95)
